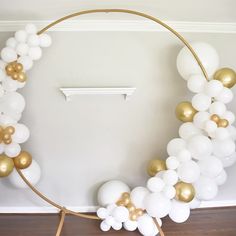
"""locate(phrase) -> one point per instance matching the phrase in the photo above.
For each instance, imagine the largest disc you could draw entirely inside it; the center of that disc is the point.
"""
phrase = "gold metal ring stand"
(64, 211)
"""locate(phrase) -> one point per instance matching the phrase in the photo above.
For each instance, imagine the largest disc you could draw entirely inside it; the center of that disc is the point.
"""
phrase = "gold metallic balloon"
(139, 212)
(155, 166)
(185, 111)
(10, 130)
(9, 69)
(131, 207)
(125, 195)
(226, 76)
(18, 67)
(215, 118)
(23, 160)
(223, 123)
(133, 216)
(21, 77)
(6, 165)
(185, 192)
(120, 203)
(14, 75)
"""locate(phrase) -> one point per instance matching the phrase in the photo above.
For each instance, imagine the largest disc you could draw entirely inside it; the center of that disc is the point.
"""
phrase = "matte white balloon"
(232, 132)
(218, 108)
(12, 149)
(45, 40)
(33, 40)
(170, 177)
(180, 212)
(196, 83)
(175, 146)
(111, 191)
(213, 88)
(35, 53)
(102, 213)
(146, 225)
(221, 178)
(6, 120)
(221, 133)
(229, 116)
(21, 134)
(2, 75)
(137, 196)
(22, 49)
(10, 85)
(187, 64)
(155, 184)
(130, 225)
(228, 160)
(184, 155)
(26, 61)
(201, 102)
(31, 29)
(225, 96)
(157, 205)
(120, 214)
(8, 54)
(195, 203)
(187, 130)
(210, 126)
(206, 188)
(223, 148)
(200, 119)
(21, 36)
(189, 171)
(172, 162)
(11, 42)
(169, 191)
(117, 225)
(104, 226)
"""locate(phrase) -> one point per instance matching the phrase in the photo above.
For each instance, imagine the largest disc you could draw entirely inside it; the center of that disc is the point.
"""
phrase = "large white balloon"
(200, 146)
(157, 205)
(21, 134)
(111, 191)
(223, 148)
(189, 171)
(146, 226)
(8, 54)
(32, 174)
(180, 212)
(187, 130)
(200, 119)
(170, 177)
(201, 102)
(187, 65)
(228, 160)
(221, 178)
(172, 162)
(196, 83)
(120, 214)
(218, 108)
(137, 196)
(206, 188)
(213, 88)
(175, 146)
(155, 184)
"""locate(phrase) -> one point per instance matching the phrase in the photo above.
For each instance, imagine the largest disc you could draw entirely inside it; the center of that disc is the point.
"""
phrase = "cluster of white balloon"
(195, 166)
(17, 57)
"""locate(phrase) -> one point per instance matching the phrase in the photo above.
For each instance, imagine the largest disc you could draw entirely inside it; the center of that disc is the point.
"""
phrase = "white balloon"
(184, 155)
(9, 84)
(35, 53)
(32, 174)
(175, 146)
(225, 96)
(2, 75)
(8, 54)
(218, 108)
(104, 226)
(146, 226)
(221, 133)
(189, 171)
(232, 132)
(117, 225)
(3, 64)
(221, 178)
(12, 149)
(111, 207)
(137, 196)
(22, 49)
(157, 205)
(187, 130)
(45, 40)
(6, 120)
(21, 36)
(228, 160)
(199, 146)
(155, 184)
(201, 102)
(30, 29)
(229, 116)
(206, 188)
(170, 177)
(120, 214)
(33, 40)
(26, 61)
(109, 220)
(210, 166)
(200, 119)
(196, 83)
(11, 42)
(169, 191)
(2, 91)
(180, 212)
(213, 88)
(210, 126)
(187, 65)
(111, 191)
(195, 203)
(223, 148)
(130, 225)
(102, 213)
(172, 163)
(21, 134)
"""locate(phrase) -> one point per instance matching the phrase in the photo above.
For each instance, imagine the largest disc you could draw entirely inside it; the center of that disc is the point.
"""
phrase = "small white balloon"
(184, 155)
(228, 160)
(137, 196)
(117, 225)
(157, 205)
(104, 226)
(170, 177)
(31, 29)
(200, 119)
(172, 163)
(26, 61)
(213, 88)
(225, 96)
(130, 225)
(102, 213)
(221, 178)
(187, 130)
(21, 134)
(111, 191)
(206, 188)
(210, 166)
(175, 146)
(223, 148)
(229, 116)
(169, 191)
(195, 203)
(189, 171)
(109, 220)
(155, 184)
(146, 226)
(21, 36)
(11, 42)
(199, 146)
(22, 49)
(180, 212)
(45, 40)
(33, 40)
(217, 108)
(201, 102)
(12, 149)
(120, 214)
(35, 53)
(8, 54)
(196, 83)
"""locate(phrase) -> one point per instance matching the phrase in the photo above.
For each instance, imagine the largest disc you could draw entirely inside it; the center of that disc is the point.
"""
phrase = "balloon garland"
(196, 159)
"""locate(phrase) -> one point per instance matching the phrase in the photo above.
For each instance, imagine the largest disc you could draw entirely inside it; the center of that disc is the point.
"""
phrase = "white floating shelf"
(125, 91)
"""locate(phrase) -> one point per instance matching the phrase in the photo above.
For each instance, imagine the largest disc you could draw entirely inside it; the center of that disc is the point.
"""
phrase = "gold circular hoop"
(181, 38)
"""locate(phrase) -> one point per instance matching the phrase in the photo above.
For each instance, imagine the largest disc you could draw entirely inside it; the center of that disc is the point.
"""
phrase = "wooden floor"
(209, 222)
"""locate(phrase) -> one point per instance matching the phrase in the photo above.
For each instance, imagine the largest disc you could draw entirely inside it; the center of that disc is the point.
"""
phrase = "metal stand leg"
(62, 220)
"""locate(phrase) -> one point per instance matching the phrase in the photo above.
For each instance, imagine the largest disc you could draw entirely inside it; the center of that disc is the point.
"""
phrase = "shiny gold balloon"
(22, 77)
(23, 160)
(133, 216)
(223, 123)
(18, 67)
(185, 192)
(131, 207)
(6, 165)
(215, 118)
(226, 76)
(9, 69)
(120, 203)
(10, 130)
(185, 111)
(139, 212)
(155, 166)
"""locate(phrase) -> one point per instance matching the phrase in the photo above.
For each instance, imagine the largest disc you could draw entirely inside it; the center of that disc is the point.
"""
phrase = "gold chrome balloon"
(23, 160)
(215, 118)
(226, 76)
(15, 71)
(6, 165)
(133, 216)
(155, 166)
(223, 123)
(131, 207)
(185, 111)
(185, 192)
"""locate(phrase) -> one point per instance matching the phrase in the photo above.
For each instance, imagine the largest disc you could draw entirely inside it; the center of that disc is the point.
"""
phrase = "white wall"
(80, 144)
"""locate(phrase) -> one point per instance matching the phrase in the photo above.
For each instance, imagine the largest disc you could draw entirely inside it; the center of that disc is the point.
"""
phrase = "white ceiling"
(176, 10)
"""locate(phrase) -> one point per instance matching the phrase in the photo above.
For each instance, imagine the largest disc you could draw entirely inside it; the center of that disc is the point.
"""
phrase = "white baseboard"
(45, 209)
